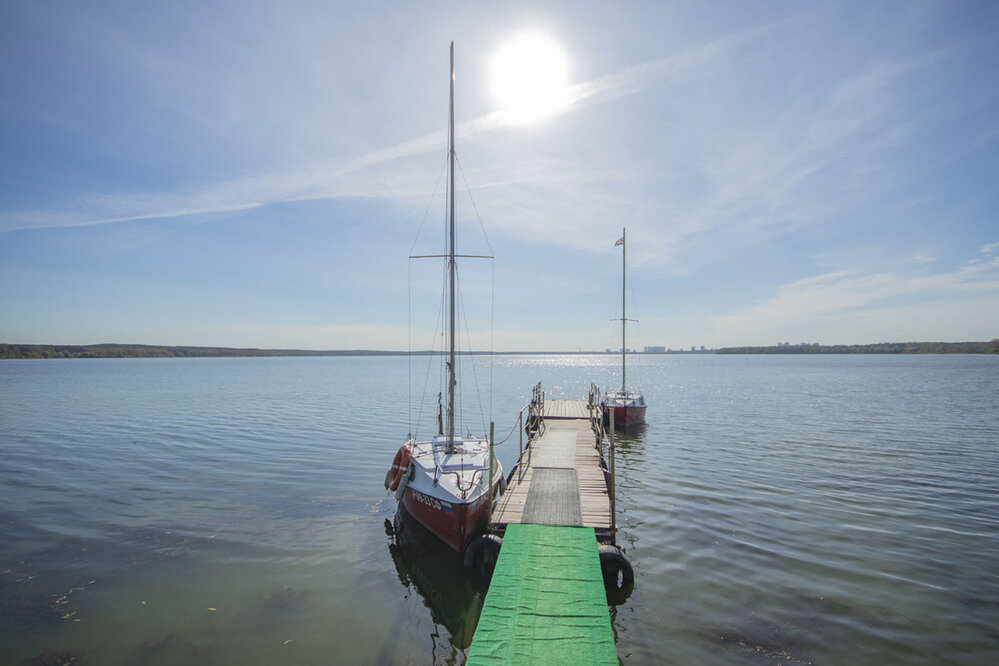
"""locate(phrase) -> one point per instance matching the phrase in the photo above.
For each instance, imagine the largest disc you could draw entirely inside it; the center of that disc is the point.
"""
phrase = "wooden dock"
(547, 601)
(566, 409)
(560, 478)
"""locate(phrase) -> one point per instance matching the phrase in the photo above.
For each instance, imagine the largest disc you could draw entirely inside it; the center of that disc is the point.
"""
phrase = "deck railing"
(597, 423)
(596, 412)
(535, 411)
(532, 426)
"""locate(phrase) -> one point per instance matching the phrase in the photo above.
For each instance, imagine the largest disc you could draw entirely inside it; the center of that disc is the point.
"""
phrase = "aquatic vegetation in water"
(51, 585)
(54, 659)
(791, 640)
(172, 649)
(30, 596)
(766, 651)
(284, 602)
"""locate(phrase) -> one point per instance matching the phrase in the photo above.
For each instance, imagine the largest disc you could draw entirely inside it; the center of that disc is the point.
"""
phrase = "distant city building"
(692, 348)
(655, 350)
(702, 347)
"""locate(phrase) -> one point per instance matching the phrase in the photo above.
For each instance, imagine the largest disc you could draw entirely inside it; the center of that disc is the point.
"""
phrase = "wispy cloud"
(343, 179)
(703, 59)
(871, 303)
(822, 154)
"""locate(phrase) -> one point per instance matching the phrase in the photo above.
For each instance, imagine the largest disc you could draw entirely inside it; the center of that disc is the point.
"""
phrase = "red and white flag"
(620, 241)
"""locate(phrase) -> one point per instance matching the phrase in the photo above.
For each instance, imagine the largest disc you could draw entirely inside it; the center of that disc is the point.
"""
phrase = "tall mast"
(450, 263)
(624, 314)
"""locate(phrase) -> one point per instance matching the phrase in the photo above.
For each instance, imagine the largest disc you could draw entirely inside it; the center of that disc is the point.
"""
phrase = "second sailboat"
(628, 407)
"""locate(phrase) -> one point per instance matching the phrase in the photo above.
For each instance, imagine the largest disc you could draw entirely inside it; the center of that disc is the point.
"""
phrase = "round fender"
(481, 555)
(400, 465)
(619, 576)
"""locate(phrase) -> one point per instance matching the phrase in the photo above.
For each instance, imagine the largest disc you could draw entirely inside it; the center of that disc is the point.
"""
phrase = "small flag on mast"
(620, 241)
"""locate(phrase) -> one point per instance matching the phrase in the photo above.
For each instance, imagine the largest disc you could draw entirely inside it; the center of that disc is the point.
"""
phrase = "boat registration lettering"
(432, 502)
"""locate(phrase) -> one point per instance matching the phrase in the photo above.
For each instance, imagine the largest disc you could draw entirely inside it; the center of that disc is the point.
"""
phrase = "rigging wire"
(429, 205)
(409, 303)
(637, 337)
(492, 331)
(492, 285)
(474, 207)
(468, 338)
(438, 326)
(442, 363)
(459, 382)
(409, 343)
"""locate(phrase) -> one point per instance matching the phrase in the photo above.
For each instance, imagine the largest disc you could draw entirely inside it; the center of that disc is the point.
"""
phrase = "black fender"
(619, 575)
(481, 555)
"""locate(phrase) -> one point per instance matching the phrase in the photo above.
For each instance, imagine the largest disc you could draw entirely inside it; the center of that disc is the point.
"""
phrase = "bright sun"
(530, 78)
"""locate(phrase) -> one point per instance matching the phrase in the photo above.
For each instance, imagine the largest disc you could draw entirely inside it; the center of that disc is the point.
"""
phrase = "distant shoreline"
(991, 347)
(113, 350)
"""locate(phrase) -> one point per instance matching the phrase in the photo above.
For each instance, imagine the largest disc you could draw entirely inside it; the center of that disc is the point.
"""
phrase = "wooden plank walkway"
(566, 409)
(547, 603)
(567, 442)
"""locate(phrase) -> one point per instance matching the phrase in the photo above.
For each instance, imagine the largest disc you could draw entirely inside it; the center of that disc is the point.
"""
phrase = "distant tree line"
(154, 351)
(991, 347)
(8, 351)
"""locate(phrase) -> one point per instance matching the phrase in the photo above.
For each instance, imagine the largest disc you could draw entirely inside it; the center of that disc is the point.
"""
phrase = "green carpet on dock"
(546, 603)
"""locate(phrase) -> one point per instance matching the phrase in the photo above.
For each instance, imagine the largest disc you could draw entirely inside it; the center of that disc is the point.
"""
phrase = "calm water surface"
(777, 509)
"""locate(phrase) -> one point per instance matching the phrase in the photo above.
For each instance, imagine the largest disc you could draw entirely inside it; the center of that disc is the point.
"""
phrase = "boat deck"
(560, 480)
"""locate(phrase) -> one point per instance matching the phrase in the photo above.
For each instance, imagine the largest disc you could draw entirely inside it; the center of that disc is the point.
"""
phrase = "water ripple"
(802, 510)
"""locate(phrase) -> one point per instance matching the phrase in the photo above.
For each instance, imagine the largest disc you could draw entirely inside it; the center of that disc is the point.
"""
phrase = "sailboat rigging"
(628, 407)
(448, 482)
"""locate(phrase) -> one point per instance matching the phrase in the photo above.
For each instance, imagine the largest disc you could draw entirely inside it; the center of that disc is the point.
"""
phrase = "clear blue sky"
(254, 174)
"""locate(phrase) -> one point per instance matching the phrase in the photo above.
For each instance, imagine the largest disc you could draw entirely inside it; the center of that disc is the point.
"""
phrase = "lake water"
(777, 509)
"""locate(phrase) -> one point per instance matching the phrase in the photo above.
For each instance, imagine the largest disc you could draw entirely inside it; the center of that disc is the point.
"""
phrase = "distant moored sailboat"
(628, 408)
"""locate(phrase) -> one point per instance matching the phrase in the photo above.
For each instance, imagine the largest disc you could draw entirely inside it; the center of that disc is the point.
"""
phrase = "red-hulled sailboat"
(447, 482)
(628, 407)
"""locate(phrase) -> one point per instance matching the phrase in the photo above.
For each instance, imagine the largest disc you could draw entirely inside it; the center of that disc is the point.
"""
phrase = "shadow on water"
(630, 436)
(438, 575)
